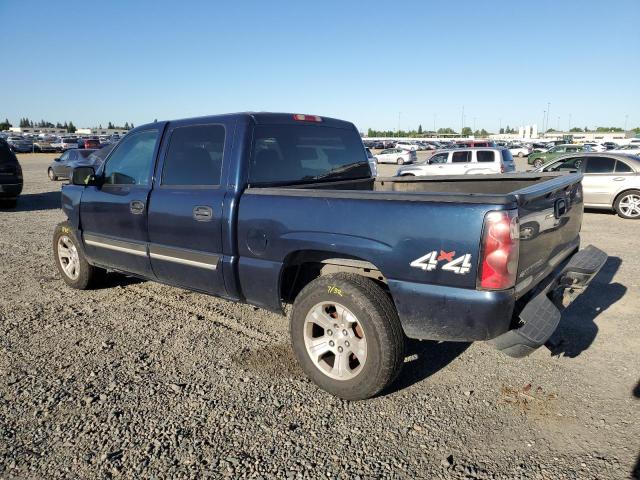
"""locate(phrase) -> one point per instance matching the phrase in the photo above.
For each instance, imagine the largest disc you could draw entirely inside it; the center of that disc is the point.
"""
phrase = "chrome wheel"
(51, 175)
(68, 257)
(629, 205)
(335, 341)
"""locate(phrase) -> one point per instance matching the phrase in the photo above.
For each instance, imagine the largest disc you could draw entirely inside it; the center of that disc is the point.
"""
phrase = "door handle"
(618, 179)
(202, 213)
(136, 207)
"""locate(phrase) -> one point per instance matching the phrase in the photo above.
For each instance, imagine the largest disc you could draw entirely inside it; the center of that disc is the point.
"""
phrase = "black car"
(10, 176)
(74, 157)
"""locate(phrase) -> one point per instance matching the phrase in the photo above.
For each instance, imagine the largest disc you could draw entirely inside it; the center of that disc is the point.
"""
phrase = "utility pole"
(500, 124)
(548, 112)
(462, 121)
(544, 119)
(399, 113)
(474, 125)
(626, 117)
(434, 123)
(558, 123)
(569, 127)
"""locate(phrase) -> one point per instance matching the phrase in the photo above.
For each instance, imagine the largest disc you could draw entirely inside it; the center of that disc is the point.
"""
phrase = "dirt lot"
(143, 380)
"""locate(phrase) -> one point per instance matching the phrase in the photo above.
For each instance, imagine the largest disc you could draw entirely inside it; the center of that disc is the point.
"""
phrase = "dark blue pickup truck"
(274, 209)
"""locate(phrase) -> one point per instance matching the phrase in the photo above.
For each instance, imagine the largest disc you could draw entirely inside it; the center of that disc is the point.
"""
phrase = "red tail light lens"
(307, 118)
(500, 249)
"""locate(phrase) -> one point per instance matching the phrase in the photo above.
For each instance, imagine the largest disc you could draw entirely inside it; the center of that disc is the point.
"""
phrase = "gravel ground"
(139, 379)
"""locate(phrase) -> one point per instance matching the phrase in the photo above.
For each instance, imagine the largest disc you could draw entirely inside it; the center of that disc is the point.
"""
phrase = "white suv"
(463, 161)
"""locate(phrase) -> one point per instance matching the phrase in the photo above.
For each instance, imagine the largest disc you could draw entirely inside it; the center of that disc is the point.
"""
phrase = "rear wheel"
(520, 154)
(400, 161)
(347, 336)
(71, 262)
(538, 163)
(52, 176)
(627, 205)
(407, 175)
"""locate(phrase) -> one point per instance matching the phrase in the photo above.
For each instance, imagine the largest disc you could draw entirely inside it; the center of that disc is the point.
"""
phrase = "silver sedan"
(611, 180)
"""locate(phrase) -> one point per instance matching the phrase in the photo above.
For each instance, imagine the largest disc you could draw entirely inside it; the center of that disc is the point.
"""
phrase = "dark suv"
(10, 176)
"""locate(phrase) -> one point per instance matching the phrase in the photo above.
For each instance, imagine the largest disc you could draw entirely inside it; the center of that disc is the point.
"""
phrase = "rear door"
(460, 162)
(598, 182)
(185, 210)
(486, 161)
(113, 215)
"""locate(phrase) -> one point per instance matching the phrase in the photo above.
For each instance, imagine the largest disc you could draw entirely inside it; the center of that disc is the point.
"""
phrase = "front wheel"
(627, 205)
(71, 261)
(520, 154)
(347, 336)
(538, 163)
(52, 176)
(400, 161)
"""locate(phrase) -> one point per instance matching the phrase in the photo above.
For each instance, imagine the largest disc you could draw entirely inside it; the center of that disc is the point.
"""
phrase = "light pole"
(569, 127)
(548, 112)
(544, 119)
(474, 125)
(434, 123)
(626, 117)
(462, 121)
(399, 113)
(558, 122)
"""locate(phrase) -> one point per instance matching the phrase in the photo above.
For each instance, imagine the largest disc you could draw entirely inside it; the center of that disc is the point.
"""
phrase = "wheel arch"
(301, 267)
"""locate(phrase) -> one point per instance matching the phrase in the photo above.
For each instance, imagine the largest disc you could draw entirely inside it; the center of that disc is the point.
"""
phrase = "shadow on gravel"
(578, 329)
(30, 202)
(113, 279)
(635, 474)
(428, 357)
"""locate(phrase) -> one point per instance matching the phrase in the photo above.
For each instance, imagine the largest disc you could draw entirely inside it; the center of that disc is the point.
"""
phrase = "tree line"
(467, 131)
(68, 126)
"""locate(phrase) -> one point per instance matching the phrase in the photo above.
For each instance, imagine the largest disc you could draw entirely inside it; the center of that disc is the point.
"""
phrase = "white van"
(463, 161)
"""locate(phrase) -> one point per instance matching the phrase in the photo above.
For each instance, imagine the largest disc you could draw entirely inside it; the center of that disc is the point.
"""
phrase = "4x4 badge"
(429, 262)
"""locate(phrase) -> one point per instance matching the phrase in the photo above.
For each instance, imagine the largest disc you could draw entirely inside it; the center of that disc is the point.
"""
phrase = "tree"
(586, 129)
(576, 130)
(71, 128)
(24, 123)
(636, 130)
(446, 131)
(466, 131)
(6, 125)
(110, 126)
(59, 125)
(550, 130)
(419, 129)
(502, 130)
(126, 125)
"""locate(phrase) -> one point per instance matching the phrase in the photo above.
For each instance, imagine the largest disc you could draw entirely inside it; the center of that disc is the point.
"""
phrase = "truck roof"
(262, 118)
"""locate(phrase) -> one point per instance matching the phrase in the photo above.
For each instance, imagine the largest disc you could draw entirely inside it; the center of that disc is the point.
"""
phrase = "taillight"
(307, 118)
(501, 168)
(500, 248)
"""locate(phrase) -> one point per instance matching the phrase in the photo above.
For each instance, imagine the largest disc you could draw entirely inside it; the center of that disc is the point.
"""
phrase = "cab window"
(461, 157)
(485, 156)
(622, 167)
(439, 158)
(132, 160)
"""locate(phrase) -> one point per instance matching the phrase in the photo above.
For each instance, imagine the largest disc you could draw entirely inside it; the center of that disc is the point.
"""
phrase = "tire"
(538, 163)
(520, 154)
(365, 318)
(400, 161)
(627, 204)
(52, 176)
(407, 175)
(84, 275)
(8, 202)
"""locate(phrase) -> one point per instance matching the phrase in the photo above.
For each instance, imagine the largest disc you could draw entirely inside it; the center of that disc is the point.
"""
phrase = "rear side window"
(306, 153)
(484, 156)
(130, 163)
(600, 165)
(461, 157)
(194, 156)
(622, 167)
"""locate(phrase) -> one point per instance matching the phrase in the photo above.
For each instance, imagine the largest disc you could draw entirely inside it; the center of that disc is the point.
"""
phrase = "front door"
(185, 209)
(113, 215)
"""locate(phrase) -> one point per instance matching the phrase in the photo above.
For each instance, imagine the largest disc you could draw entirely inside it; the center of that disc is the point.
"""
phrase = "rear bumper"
(541, 315)
(10, 190)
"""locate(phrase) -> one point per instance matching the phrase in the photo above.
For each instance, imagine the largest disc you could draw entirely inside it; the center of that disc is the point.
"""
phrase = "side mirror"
(56, 159)
(84, 176)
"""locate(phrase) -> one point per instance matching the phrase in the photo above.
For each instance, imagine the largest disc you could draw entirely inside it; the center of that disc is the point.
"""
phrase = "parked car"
(631, 149)
(593, 147)
(611, 180)
(74, 157)
(296, 218)
(20, 144)
(373, 163)
(10, 176)
(65, 143)
(397, 155)
(406, 146)
(519, 150)
(92, 143)
(610, 145)
(476, 143)
(43, 146)
(540, 158)
(467, 161)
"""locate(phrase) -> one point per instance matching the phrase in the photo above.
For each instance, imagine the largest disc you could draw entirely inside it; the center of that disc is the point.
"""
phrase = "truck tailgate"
(550, 219)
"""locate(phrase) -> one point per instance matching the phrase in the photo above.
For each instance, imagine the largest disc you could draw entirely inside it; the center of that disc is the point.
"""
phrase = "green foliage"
(71, 128)
(6, 125)
(419, 129)
(636, 130)
(576, 130)
(550, 130)
(608, 129)
(446, 131)
(481, 133)
(466, 131)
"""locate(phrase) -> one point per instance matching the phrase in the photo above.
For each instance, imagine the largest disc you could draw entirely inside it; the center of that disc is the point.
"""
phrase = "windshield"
(286, 154)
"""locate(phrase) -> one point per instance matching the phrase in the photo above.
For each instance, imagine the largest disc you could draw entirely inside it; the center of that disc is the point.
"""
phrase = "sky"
(378, 64)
